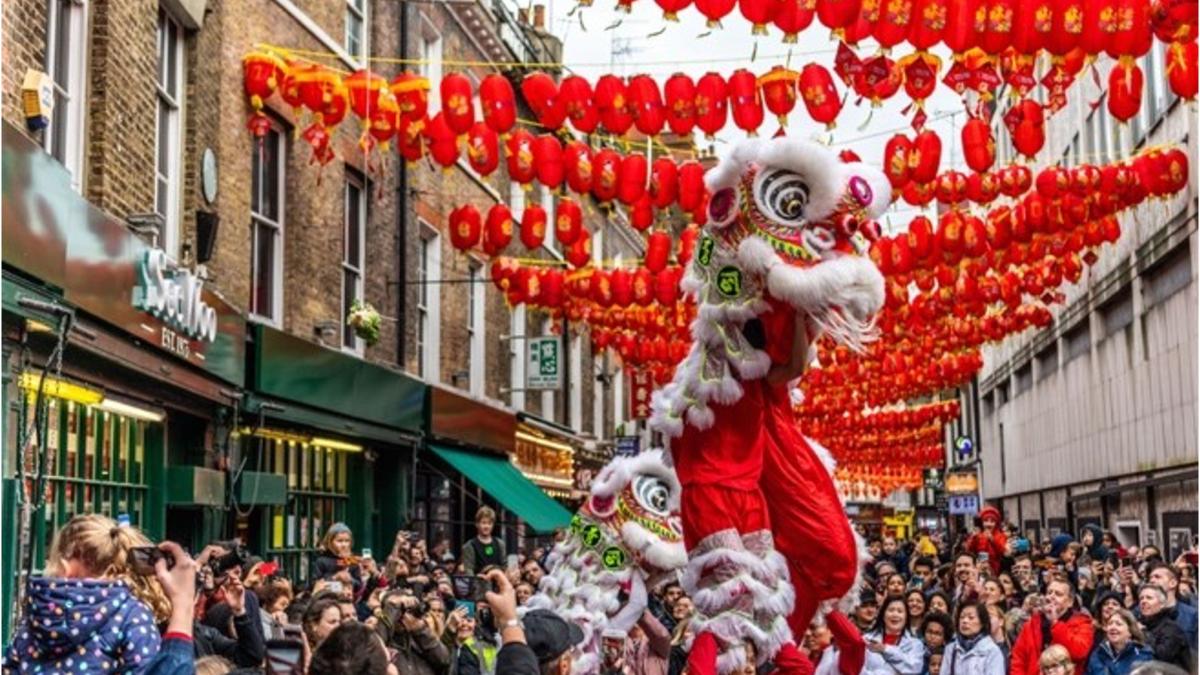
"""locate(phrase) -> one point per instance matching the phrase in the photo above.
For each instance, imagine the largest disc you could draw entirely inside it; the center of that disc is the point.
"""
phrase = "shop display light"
(129, 410)
(60, 388)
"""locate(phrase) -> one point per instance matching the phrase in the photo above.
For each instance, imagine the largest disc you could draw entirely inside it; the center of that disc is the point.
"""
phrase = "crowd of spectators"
(989, 603)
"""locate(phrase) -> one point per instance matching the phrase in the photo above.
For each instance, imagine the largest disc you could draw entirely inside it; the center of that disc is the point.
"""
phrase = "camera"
(143, 559)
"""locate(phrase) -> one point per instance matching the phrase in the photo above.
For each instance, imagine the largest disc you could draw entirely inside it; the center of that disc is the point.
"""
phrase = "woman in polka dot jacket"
(92, 613)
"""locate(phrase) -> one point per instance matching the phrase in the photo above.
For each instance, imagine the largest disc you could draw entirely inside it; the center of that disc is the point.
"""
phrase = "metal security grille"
(317, 498)
(97, 465)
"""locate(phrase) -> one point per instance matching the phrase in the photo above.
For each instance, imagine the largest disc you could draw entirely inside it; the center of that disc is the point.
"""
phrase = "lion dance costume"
(625, 539)
(767, 537)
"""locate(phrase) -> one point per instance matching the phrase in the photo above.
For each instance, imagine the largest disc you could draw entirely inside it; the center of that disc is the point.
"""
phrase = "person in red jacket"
(991, 539)
(1059, 621)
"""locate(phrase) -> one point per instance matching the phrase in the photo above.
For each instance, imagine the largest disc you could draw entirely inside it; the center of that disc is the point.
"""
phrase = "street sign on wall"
(544, 369)
(641, 385)
(964, 505)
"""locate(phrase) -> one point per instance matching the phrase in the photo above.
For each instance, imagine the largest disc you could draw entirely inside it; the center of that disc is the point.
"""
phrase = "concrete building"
(1093, 420)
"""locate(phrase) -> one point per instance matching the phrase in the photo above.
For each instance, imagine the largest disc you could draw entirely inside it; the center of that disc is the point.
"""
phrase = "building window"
(1077, 341)
(429, 305)
(167, 176)
(353, 234)
(598, 393)
(618, 389)
(576, 391)
(356, 28)
(476, 327)
(1117, 313)
(1167, 278)
(66, 51)
(1047, 361)
(547, 200)
(266, 217)
(516, 358)
(318, 495)
(431, 62)
(1023, 379)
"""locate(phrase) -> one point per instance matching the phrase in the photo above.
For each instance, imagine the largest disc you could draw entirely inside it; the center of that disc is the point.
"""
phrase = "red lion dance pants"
(767, 537)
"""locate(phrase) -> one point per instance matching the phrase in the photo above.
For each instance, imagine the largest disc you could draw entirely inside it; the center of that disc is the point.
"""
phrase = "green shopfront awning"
(500, 479)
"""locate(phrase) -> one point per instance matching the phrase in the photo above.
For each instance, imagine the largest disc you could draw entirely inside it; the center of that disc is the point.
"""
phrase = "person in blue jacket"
(1123, 646)
(93, 612)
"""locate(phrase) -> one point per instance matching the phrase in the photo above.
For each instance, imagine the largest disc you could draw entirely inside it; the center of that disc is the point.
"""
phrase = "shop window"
(1077, 341)
(97, 462)
(516, 358)
(353, 235)
(476, 327)
(429, 304)
(356, 28)
(168, 178)
(66, 55)
(317, 498)
(267, 221)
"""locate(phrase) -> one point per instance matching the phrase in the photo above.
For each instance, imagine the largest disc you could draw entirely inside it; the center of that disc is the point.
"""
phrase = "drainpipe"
(402, 222)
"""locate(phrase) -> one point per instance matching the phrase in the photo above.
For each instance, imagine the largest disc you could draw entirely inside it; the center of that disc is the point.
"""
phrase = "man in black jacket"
(1163, 635)
(233, 628)
(538, 645)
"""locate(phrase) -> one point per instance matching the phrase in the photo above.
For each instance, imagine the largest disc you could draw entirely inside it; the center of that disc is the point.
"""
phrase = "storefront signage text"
(174, 295)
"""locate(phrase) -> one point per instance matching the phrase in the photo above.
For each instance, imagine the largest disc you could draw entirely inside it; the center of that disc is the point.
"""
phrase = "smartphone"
(293, 631)
(366, 553)
(144, 558)
(284, 657)
(469, 606)
(983, 556)
(466, 587)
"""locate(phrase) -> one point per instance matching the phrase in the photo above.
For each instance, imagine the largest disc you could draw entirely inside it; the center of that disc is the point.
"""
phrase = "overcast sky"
(679, 49)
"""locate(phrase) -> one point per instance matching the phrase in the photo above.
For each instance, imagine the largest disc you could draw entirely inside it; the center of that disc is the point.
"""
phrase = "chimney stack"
(539, 17)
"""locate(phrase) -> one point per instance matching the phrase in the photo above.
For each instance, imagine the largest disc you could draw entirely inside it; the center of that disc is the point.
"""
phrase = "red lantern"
(920, 239)
(680, 93)
(533, 226)
(837, 15)
(960, 34)
(1182, 72)
(878, 80)
(364, 88)
(1125, 90)
(925, 156)
(498, 103)
(552, 288)
(666, 286)
(411, 140)
(950, 235)
(641, 213)
(927, 23)
(498, 229)
(819, 94)
(896, 161)
(759, 13)
(606, 167)
(465, 227)
(918, 194)
(457, 107)
(577, 160)
(645, 102)
(982, 188)
(412, 95)
(920, 76)
(715, 10)
(779, 92)
(632, 183)
(745, 101)
(503, 271)
(951, 187)
(691, 186)
(520, 156)
(622, 287)
(891, 28)
(1175, 20)
(611, 104)
(643, 287)
(1099, 23)
(671, 8)
(483, 149)
(568, 222)
(658, 248)
(580, 253)
(384, 120)
(997, 26)
(1026, 124)
(687, 244)
(711, 104)
(541, 92)
(1066, 26)
(979, 148)
(1133, 36)
(793, 17)
(577, 96)
(443, 142)
(1015, 180)
(262, 74)
(664, 182)
(548, 161)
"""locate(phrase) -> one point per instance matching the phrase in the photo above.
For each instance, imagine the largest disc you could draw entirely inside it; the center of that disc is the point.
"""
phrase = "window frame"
(355, 180)
(362, 14)
(429, 304)
(516, 358)
(476, 328)
(548, 400)
(171, 211)
(431, 64)
(280, 225)
(71, 116)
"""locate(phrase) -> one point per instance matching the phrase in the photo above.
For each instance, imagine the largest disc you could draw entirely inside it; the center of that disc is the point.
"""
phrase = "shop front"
(469, 462)
(121, 372)
(325, 437)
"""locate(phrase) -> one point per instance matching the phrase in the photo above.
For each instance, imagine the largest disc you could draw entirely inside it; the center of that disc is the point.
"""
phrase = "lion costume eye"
(781, 196)
(652, 494)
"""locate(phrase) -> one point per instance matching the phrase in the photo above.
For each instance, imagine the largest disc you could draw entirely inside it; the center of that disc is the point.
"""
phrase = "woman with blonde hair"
(1056, 660)
(95, 611)
(336, 559)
